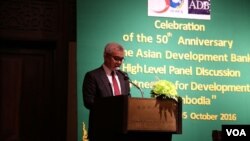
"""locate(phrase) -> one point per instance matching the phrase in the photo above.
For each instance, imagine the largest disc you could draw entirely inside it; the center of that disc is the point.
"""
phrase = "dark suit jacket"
(97, 85)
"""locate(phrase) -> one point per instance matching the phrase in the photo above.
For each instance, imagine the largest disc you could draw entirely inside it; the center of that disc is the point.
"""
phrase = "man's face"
(114, 60)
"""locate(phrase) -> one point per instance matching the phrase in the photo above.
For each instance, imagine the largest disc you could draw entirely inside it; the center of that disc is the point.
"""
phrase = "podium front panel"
(146, 114)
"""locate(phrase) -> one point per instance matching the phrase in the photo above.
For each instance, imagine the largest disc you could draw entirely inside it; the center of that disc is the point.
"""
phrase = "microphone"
(123, 73)
(127, 78)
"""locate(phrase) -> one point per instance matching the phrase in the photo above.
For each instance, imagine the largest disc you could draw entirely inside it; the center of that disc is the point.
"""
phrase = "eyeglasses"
(117, 58)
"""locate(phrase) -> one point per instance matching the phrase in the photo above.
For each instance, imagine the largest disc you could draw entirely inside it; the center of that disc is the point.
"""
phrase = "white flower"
(164, 89)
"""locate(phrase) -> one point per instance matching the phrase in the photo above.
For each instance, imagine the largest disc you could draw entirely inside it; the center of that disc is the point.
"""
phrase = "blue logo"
(176, 3)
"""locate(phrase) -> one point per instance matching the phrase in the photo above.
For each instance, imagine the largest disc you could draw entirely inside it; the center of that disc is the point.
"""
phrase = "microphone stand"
(129, 80)
(142, 94)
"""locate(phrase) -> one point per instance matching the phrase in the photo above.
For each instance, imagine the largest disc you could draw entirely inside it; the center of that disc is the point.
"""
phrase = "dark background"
(37, 70)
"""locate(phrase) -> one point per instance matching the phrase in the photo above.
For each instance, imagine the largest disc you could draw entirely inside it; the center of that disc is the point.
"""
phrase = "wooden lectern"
(123, 118)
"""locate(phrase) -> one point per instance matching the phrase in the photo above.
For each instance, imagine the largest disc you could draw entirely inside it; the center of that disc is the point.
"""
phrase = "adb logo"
(199, 7)
(190, 9)
(162, 6)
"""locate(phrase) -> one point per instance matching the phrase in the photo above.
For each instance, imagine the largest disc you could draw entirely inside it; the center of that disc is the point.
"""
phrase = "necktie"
(115, 84)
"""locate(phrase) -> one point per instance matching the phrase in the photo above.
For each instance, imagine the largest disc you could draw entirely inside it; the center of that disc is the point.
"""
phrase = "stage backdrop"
(208, 59)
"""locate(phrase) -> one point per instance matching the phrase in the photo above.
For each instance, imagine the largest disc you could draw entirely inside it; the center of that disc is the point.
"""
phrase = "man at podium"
(106, 80)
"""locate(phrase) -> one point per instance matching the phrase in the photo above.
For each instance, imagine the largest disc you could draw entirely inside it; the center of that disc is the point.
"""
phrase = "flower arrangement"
(165, 90)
